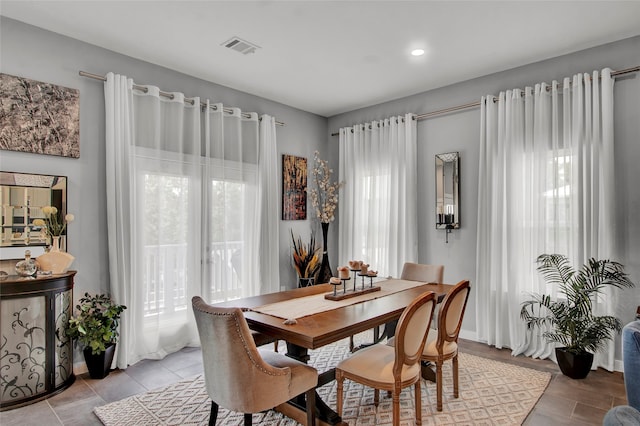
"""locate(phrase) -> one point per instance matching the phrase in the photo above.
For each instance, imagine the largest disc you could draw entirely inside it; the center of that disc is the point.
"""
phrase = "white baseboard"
(618, 365)
(468, 335)
(79, 368)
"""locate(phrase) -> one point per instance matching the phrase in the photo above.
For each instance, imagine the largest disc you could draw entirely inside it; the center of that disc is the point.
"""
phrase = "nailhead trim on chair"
(244, 344)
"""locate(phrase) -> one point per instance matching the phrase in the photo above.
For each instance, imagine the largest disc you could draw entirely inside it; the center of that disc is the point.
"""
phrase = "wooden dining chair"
(410, 272)
(392, 368)
(418, 272)
(442, 344)
(422, 272)
(425, 273)
(239, 376)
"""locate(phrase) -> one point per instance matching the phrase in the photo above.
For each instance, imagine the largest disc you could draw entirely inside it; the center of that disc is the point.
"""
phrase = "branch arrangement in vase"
(305, 256)
(324, 196)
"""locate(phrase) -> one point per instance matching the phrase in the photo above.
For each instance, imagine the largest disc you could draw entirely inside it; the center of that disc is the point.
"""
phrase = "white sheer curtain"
(545, 186)
(269, 203)
(378, 208)
(182, 191)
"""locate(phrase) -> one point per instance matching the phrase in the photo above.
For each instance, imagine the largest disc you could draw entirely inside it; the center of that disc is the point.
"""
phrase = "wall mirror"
(22, 197)
(448, 191)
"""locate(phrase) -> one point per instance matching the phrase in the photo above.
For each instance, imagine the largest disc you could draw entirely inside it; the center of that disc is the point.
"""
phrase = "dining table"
(303, 319)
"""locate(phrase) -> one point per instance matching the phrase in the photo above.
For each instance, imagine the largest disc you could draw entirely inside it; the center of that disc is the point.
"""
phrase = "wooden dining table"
(320, 329)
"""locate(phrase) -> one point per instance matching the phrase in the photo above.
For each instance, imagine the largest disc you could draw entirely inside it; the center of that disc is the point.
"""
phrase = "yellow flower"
(39, 222)
(54, 223)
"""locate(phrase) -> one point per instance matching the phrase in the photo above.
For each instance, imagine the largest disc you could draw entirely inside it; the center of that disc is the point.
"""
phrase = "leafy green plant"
(571, 316)
(96, 322)
(305, 256)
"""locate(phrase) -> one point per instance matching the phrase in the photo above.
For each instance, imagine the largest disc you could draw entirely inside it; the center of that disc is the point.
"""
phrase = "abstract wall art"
(40, 118)
(294, 187)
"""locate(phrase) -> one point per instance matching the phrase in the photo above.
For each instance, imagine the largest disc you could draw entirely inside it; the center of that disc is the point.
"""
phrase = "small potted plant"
(305, 259)
(573, 324)
(95, 328)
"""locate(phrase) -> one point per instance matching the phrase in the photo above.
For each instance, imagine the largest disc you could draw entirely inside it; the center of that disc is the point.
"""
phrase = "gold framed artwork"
(294, 187)
(38, 117)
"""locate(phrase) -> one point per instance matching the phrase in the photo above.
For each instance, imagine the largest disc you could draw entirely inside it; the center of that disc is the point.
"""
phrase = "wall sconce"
(448, 192)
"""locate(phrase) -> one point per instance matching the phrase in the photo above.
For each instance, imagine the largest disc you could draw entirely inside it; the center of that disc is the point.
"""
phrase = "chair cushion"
(430, 349)
(376, 363)
(303, 377)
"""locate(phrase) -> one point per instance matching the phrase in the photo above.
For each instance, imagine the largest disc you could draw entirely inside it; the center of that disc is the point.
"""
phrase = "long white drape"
(270, 234)
(183, 212)
(378, 208)
(545, 186)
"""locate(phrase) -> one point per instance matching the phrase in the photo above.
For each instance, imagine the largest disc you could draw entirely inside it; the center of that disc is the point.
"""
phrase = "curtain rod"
(477, 103)
(167, 95)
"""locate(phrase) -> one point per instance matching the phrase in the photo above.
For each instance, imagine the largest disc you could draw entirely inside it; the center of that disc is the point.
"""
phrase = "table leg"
(388, 332)
(426, 368)
(324, 413)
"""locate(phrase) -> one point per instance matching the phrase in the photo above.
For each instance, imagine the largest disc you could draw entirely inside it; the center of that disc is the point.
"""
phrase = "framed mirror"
(22, 197)
(448, 190)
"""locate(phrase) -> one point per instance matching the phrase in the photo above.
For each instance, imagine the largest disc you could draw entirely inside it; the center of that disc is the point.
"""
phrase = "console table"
(36, 356)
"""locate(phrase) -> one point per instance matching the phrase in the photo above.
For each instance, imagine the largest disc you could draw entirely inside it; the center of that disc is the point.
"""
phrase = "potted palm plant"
(305, 259)
(95, 328)
(570, 317)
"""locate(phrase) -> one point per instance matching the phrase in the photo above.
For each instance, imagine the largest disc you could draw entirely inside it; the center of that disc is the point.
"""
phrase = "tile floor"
(564, 402)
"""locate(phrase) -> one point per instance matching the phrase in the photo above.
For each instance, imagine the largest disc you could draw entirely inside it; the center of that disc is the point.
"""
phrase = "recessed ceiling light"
(417, 52)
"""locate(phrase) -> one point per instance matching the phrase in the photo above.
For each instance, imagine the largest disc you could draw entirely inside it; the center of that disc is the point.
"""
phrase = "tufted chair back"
(237, 375)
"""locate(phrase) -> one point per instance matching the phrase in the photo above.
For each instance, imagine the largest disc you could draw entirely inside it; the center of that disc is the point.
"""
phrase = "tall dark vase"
(324, 275)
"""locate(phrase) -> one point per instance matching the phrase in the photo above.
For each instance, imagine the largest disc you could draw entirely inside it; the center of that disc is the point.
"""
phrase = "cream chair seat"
(431, 346)
(239, 376)
(392, 368)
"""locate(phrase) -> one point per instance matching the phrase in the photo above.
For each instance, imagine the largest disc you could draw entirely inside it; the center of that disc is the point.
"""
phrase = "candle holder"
(362, 275)
(335, 282)
(346, 294)
(344, 284)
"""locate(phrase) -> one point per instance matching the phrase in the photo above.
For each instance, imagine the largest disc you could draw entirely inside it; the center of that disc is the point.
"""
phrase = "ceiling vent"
(240, 45)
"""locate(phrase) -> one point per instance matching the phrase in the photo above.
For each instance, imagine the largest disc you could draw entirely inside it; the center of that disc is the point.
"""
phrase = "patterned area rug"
(491, 393)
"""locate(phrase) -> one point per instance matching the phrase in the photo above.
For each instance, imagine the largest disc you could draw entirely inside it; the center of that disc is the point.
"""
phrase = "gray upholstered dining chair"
(392, 368)
(411, 272)
(442, 344)
(421, 272)
(240, 377)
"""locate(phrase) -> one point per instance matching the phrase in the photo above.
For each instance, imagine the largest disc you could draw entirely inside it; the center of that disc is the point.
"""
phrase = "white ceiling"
(329, 57)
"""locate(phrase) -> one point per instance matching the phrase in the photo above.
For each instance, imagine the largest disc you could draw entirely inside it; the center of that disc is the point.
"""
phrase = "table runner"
(309, 305)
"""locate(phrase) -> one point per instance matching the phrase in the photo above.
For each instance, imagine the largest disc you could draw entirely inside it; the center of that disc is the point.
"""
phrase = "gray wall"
(31, 52)
(460, 132)
(41, 55)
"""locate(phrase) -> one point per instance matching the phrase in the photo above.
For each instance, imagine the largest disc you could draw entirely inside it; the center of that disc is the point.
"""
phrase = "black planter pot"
(99, 365)
(572, 365)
